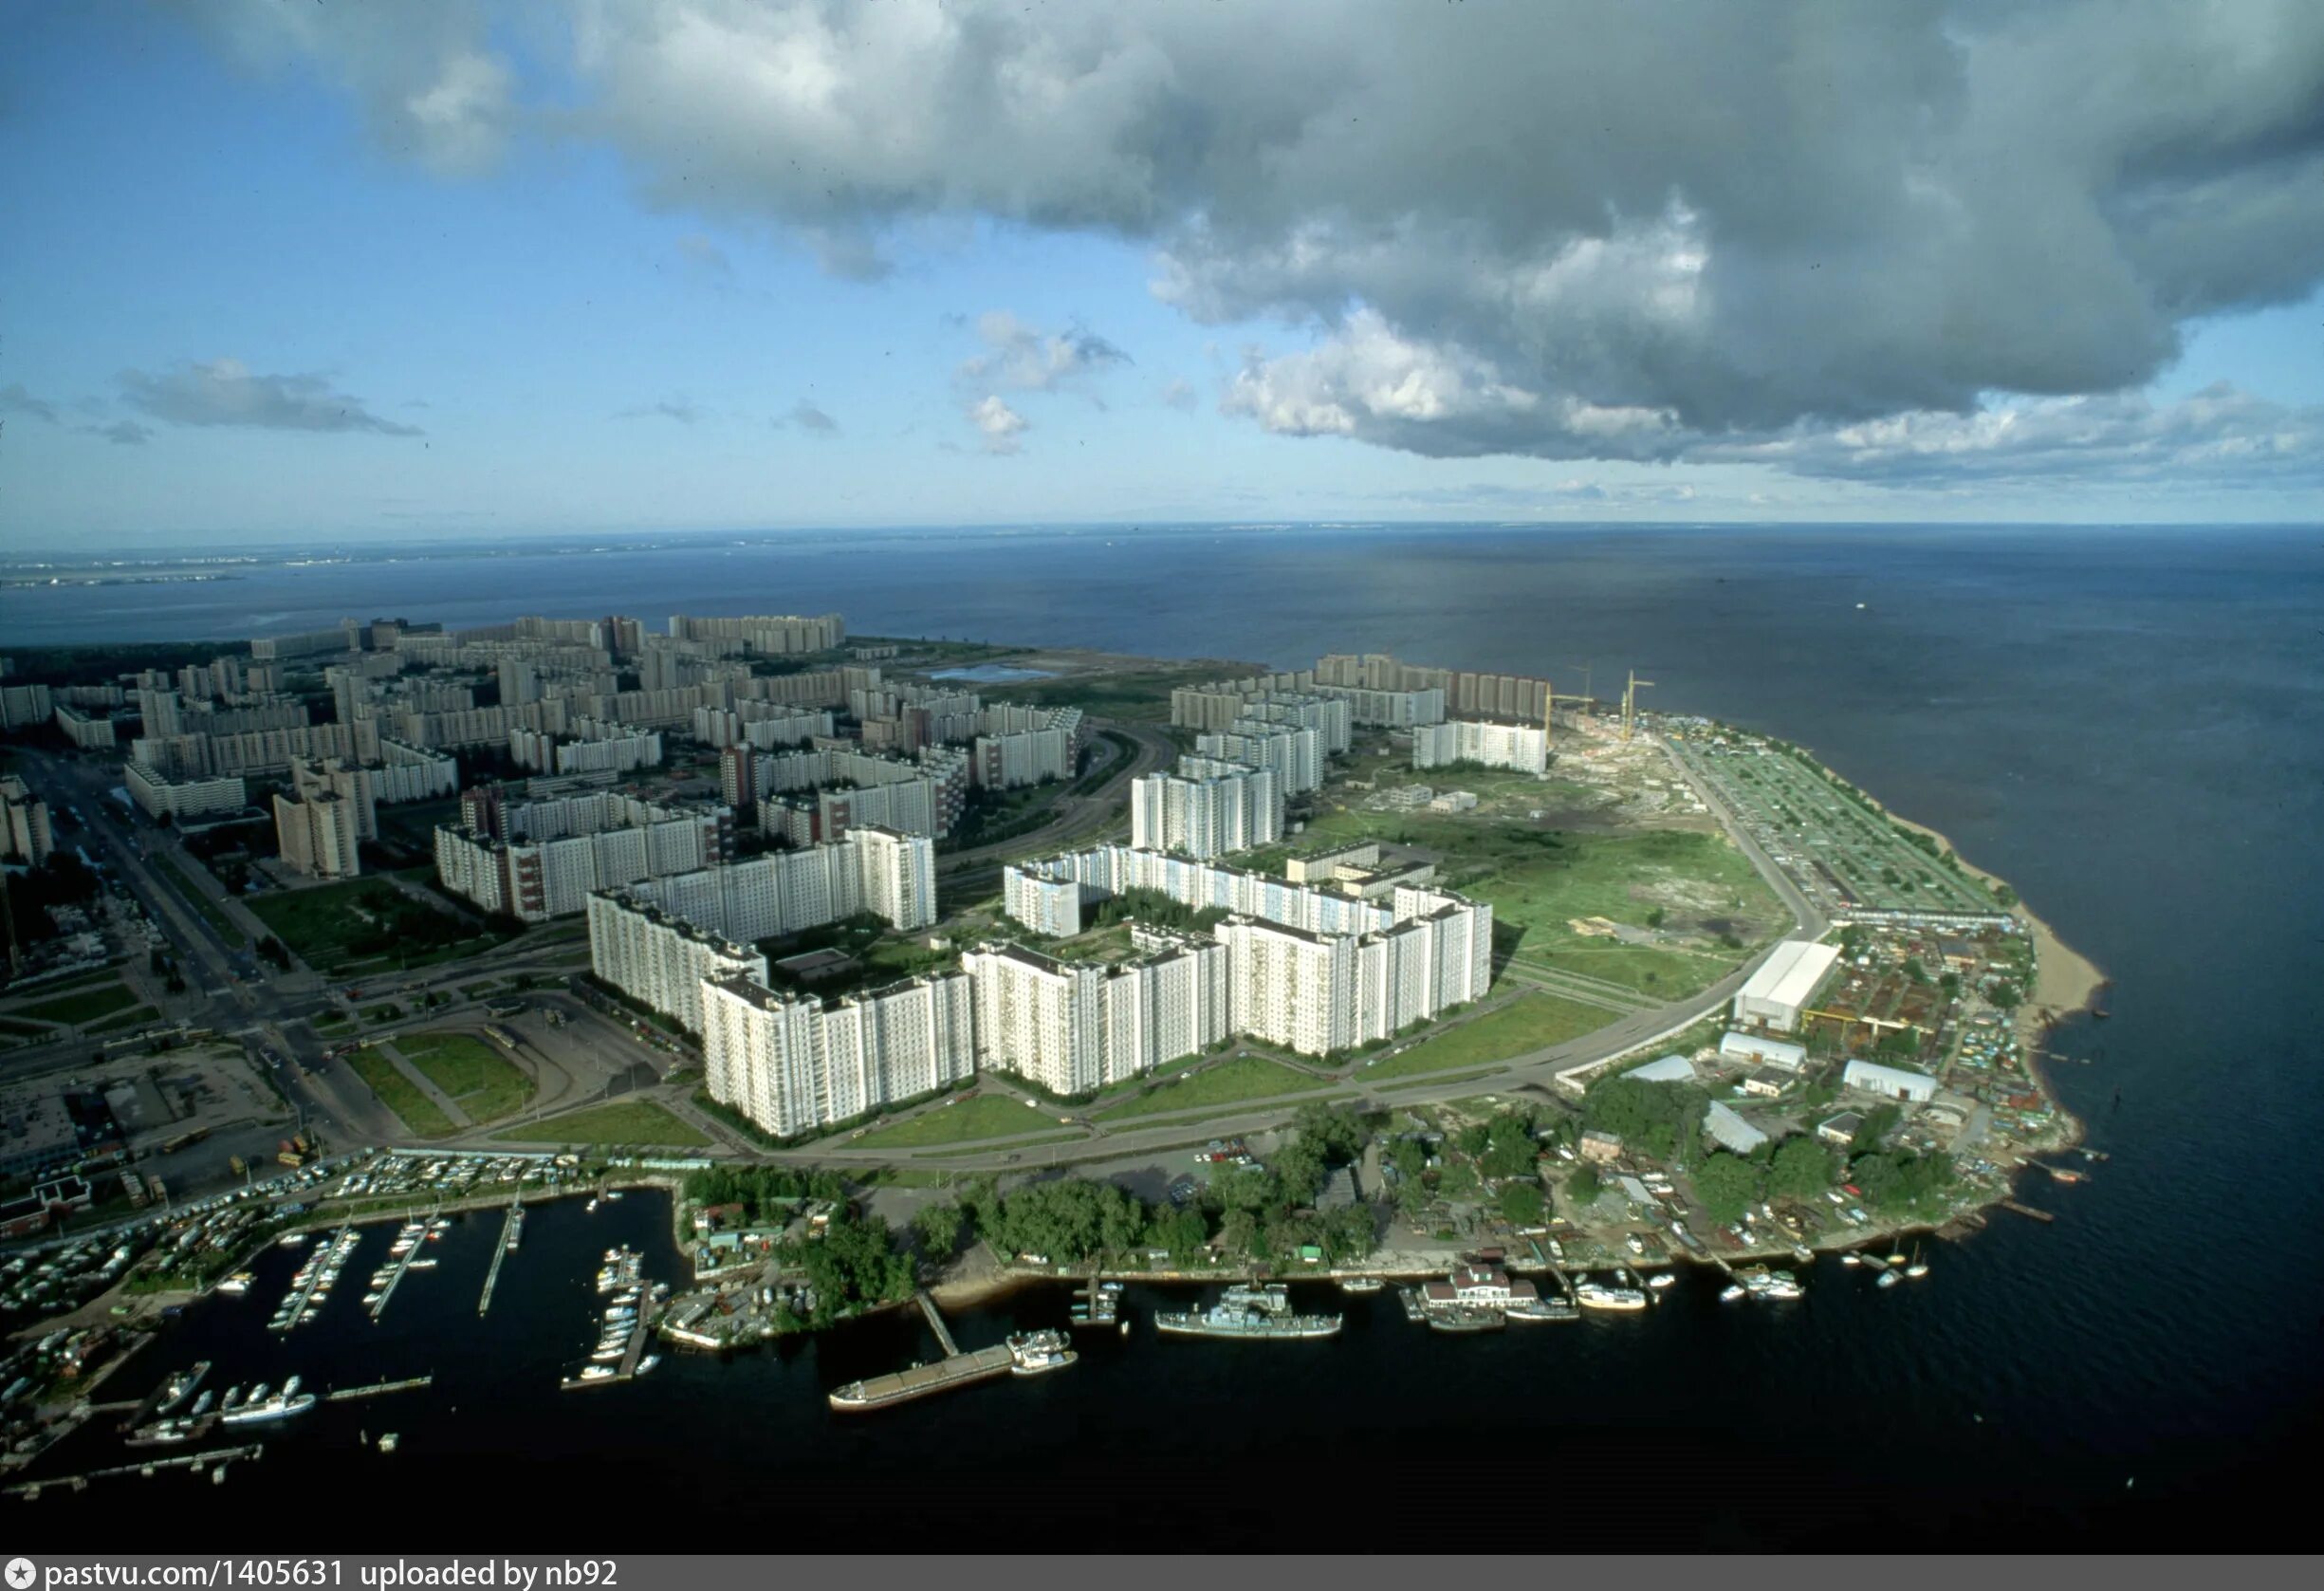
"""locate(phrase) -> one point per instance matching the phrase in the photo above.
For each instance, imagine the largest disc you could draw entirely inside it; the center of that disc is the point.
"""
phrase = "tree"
(1182, 1230)
(1510, 1149)
(1473, 1140)
(1585, 1185)
(1409, 1159)
(1521, 1203)
(939, 1228)
(1801, 1170)
(1654, 917)
(1727, 1186)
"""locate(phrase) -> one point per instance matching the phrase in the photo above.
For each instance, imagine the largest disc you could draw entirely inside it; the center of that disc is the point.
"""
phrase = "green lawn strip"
(399, 1094)
(483, 1083)
(627, 1121)
(1530, 1022)
(1426, 1082)
(978, 1116)
(1021, 1143)
(1659, 975)
(22, 1029)
(88, 1006)
(80, 980)
(1246, 1077)
(211, 911)
(127, 1019)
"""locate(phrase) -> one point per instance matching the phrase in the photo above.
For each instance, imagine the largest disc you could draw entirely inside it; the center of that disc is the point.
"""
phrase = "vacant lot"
(486, 1084)
(980, 1115)
(1246, 1077)
(399, 1094)
(630, 1121)
(88, 1006)
(1531, 1022)
(367, 924)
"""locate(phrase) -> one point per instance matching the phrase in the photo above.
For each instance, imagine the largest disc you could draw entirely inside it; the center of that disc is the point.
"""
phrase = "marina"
(311, 1284)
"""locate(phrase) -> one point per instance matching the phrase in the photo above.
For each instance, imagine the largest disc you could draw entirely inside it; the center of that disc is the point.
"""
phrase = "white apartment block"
(1294, 754)
(793, 1065)
(1522, 746)
(1077, 1028)
(1394, 709)
(771, 634)
(180, 799)
(90, 731)
(659, 960)
(1206, 809)
(24, 704)
(762, 726)
(1049, 896)
(890, 875)
(316, 835)
(559, 851)
(26, 833)
(1319, 993)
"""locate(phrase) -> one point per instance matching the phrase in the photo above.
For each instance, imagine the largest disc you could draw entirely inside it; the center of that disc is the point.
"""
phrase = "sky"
(283, 270)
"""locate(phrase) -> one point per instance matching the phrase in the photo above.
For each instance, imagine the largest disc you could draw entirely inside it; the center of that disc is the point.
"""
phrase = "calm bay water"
(2127, 725)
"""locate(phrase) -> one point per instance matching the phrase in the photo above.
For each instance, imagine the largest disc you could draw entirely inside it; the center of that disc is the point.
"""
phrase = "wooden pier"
(403, 1265)
(491, 1277)
(2027, 1210)
(935, 1323)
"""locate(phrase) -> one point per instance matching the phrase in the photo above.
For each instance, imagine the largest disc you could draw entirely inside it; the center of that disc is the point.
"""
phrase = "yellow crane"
(1630, 699)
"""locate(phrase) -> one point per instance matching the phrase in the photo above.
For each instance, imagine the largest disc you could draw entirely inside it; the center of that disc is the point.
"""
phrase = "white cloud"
(1018, 358)
(226, 392)
(998, 424)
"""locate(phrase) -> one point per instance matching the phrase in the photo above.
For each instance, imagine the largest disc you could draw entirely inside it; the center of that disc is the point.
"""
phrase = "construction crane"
(1630, 699)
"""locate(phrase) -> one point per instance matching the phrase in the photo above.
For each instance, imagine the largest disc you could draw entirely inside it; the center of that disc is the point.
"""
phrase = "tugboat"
(1036, 1353)
(1360, 1283)
(1596, 1295)
(1459, 1320)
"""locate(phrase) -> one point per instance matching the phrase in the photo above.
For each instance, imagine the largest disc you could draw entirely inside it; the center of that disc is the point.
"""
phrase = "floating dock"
(347, 1394)
(194, 1461)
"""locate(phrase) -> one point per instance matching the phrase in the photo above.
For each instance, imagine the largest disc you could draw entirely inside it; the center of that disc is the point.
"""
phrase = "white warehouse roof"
(1730, 1131)
(1894, 1082)
(1791, 972)
(1670, 1069)
(1775, 1052)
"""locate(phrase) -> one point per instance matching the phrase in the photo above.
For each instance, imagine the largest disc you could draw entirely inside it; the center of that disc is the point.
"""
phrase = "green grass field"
(1539, 882)
(88, 1006)
(486, 1084)
(367, 924)
(1246, 1077)
(213, 913)
(126, 1020)
(979, 1115)
(627, 1121)
(21, 1030)
(1529, 1023)
(1023, 1143)
(399, 1094)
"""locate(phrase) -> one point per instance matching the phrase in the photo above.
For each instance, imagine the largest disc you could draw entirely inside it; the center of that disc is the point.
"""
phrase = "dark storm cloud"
(1657, 230)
